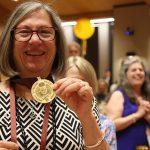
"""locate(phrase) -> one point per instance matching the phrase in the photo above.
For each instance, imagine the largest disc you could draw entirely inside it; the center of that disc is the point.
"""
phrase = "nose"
(34, 37)
(138, 71)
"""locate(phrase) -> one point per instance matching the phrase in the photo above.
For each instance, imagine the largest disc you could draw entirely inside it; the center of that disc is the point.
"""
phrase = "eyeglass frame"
(34, 31)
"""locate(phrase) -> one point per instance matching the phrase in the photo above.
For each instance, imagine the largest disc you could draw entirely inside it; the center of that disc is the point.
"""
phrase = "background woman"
(129, 105)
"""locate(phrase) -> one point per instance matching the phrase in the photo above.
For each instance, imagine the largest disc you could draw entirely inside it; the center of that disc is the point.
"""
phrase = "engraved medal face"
(42, 91)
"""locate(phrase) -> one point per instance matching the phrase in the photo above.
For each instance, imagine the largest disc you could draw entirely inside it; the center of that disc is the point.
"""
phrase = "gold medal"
(42, 91)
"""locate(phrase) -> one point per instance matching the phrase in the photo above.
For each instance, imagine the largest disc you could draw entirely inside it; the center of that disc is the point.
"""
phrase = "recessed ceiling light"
(15, 0)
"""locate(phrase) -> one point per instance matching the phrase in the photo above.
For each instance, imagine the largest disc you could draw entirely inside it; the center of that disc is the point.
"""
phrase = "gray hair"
(123, 81)
(7, 65)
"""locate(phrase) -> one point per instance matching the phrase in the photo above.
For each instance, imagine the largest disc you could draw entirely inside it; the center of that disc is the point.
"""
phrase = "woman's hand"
(146, 106)
(76, 93)
(144, 110)
(6, 145)
(141, 111)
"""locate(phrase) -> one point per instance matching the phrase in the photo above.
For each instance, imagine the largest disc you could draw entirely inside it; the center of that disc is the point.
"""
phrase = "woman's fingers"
(69, 85)
(8, 145)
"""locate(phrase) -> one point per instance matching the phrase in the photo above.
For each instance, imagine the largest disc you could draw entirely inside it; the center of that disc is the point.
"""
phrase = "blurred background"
(121, 28)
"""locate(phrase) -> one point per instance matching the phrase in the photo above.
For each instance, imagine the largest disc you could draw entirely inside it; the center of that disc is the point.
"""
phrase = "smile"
(35, 54)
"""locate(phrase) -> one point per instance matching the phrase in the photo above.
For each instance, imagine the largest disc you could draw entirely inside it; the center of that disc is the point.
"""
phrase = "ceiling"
(73, 9)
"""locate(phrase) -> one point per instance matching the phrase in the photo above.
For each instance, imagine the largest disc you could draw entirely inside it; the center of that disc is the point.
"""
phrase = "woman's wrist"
(88, 117)
(97, 144)
(91, 129)
(134, 118)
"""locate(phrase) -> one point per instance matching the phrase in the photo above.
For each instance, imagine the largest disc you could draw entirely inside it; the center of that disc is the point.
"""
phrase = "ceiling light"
(70, 23)
(93, 21)
(15, 0)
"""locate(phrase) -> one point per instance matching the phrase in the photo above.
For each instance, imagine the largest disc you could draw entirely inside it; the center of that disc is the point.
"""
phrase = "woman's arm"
(92, 133)
(78, 96)
(115, 109)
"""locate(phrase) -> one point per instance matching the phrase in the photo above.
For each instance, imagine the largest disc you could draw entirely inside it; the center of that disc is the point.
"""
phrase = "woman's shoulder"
(4, 86)
(116, 98)
(117, 93)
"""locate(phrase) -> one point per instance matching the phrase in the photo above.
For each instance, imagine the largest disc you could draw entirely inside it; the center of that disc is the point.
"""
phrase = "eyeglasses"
(44, 34)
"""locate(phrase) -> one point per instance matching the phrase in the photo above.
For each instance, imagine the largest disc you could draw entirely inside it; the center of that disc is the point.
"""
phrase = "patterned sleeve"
(95, 111)
(108, 127)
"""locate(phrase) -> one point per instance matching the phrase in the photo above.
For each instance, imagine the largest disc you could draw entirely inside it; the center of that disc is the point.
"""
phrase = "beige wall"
(137, 17)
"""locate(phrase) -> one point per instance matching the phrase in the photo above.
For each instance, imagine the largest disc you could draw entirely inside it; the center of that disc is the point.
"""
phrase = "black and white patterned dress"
(68, 127)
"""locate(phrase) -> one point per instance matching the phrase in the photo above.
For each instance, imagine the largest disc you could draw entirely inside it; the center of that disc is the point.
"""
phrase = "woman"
(129, 105)
(74, 49)
(41, 114)
(102, 91)
(80, 68)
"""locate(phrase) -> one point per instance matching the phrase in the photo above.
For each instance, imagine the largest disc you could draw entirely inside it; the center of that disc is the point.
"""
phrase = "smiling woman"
(34, 57)
(35, 110)
(131, 113)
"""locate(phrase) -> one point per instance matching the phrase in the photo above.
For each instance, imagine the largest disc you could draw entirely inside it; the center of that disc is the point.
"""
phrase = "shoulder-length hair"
(123, 81)
(85, 68)
(7, 65)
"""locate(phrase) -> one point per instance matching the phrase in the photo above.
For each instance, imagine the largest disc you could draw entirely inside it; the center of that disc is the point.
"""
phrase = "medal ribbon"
(13, 116)
(13, 121)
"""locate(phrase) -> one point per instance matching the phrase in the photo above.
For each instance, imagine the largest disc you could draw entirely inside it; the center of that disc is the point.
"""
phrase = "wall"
(137, 17)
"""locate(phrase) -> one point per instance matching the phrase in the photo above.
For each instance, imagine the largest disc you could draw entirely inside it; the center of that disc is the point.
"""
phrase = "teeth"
(35, 54)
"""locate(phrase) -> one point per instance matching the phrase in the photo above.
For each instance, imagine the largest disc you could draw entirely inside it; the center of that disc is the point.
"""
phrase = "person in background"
(36, 112)
(129, 105)
(101, 95)
(113, 86)
(80, 68)
(74, 49)
(107, 77)
(102, 90)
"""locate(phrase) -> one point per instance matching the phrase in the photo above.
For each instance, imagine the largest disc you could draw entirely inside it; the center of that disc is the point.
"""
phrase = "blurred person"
(78, 67)
(102, 90)
(36, 112)
(74, 49)
(129, 105)
(107, 77)
(101, 95)
(113, 86)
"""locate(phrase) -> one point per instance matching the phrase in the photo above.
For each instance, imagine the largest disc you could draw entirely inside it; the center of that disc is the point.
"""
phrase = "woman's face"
(74, 51)
(34, 57)
(73, 72)
(136, 74)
